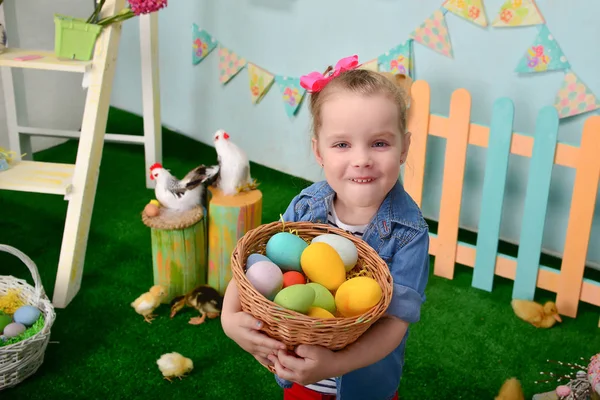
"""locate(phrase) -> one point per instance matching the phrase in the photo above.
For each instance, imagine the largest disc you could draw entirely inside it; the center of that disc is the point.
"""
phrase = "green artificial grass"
(467, 343)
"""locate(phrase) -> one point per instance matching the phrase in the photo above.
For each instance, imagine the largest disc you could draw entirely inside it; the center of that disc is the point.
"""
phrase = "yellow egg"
(318, 312)
(357, 295)
(322, 264)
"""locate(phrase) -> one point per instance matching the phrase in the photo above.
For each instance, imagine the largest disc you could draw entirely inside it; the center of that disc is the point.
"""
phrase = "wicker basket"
(20, 360)
(293, 328)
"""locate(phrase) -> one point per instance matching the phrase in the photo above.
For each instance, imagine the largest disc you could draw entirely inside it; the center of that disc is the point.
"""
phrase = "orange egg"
(293, 278)
(151, 210)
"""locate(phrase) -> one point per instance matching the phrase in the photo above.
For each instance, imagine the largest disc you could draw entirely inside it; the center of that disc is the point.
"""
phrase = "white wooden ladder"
(77, 182)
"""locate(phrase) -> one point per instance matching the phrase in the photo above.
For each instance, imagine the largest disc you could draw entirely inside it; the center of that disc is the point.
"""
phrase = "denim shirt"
(400, 235)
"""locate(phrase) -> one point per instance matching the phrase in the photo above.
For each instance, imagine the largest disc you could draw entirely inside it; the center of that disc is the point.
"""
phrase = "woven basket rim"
(238, 273)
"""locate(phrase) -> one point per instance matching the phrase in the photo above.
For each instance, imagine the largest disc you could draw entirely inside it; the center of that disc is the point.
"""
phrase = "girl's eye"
(380, 144)
(341, 145)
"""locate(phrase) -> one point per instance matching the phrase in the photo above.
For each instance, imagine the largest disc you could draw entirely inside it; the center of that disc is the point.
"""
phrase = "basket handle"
(30, 265)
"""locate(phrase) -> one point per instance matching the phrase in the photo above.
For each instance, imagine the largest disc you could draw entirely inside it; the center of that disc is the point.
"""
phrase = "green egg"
(296, 298)
(4, 320)
(323, 297)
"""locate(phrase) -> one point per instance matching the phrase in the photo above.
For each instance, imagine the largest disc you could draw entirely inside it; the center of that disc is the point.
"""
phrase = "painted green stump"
(229, 218)
(179, 249)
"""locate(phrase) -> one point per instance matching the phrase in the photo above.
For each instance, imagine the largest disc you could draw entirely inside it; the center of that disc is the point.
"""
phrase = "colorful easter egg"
(293, 278)
(4, 320)
(13, 329)
(318, 312)
(322, 264)
(285, 250)
(298, 298)
(27, 315)
(266, 277)
(344, 246)
(323, 297)
(255, 257)
(357, 296)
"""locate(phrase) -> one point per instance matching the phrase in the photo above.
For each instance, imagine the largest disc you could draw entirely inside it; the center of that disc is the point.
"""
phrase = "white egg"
(344, 247)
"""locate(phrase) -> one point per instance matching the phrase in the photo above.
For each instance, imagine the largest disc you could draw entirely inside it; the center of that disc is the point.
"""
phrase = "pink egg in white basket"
(266, 277)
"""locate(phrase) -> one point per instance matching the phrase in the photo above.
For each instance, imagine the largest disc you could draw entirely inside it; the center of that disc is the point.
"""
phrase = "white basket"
(20, 360)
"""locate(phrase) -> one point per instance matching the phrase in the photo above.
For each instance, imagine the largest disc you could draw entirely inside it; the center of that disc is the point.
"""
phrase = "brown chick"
(174, 365)
(511, 390)
(149, 301)
(537, 315)
(204, 298)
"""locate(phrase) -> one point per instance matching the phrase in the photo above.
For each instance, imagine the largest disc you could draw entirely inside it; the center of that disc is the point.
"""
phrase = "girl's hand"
(243, 328)
(308, 365)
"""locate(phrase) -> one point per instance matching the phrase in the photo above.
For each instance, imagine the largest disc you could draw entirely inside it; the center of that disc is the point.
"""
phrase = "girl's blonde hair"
(365, 82)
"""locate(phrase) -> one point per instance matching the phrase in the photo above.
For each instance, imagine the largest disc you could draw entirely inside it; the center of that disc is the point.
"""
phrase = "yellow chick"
(149, 301)
(174, 365)
(537, 315)
(511, 390)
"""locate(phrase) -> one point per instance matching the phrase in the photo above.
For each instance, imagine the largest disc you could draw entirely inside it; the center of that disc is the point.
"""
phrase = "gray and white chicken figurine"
(234, 167)
(184, 194)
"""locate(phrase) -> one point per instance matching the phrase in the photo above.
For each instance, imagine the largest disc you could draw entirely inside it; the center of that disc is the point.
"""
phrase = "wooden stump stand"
(179, 252)
(229, 218)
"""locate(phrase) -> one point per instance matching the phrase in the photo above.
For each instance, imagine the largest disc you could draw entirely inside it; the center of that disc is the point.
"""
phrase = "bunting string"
(543, 54)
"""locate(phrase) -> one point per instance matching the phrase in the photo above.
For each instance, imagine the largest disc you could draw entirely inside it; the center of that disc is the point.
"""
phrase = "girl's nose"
(363, 159)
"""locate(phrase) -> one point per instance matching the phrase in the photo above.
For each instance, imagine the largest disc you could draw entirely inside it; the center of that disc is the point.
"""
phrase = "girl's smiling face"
(360, 147)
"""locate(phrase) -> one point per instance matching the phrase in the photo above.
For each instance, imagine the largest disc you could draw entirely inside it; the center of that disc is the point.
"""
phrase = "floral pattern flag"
(397, 60)
(518, 13)
(292, 93)
(471, 10)
(574, 97)
(543, 55)
(260, 82)
(229, 64)
(433, 33)
(202, 44)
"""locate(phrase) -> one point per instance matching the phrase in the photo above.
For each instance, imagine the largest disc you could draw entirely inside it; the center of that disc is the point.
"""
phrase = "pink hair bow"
(316, 81)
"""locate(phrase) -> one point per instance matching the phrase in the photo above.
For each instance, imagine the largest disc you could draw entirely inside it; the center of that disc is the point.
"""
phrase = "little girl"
(360, 140)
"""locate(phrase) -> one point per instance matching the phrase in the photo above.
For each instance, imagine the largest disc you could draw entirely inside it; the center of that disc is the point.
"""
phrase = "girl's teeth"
(362, 180)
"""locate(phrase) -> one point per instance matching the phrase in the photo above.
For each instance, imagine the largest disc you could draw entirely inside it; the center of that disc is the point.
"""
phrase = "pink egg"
(266, 277)
(14, 329)
(563, 391)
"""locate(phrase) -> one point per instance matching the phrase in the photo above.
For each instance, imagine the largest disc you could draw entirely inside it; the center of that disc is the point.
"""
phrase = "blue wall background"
(293, 37)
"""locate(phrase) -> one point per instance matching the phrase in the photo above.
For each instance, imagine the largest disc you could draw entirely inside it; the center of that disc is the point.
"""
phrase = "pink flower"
(146, 6)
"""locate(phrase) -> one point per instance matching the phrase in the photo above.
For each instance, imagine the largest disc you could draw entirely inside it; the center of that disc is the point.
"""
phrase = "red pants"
(299, 392)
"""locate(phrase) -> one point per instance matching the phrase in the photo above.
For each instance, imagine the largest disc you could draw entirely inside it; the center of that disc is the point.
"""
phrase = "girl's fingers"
(281, 371)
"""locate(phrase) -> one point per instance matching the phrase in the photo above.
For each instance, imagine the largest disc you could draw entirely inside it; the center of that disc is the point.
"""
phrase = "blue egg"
(285, 250)
(26, 315)
(254, 258)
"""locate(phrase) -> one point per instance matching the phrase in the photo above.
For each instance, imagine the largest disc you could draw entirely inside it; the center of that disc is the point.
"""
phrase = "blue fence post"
(536, 203)
(490, 216)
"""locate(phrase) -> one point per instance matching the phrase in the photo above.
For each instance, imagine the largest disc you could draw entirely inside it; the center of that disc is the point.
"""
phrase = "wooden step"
(48, 61)
(38, 177)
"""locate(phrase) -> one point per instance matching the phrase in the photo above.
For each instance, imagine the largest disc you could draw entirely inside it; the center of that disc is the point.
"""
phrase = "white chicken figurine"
(234, 167)
(184, 194)
(174, 365)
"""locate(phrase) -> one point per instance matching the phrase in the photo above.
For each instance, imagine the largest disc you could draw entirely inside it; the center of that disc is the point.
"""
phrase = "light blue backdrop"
(294, 37)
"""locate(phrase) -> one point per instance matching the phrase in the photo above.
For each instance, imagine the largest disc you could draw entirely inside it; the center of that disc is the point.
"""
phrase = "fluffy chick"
(149, 301)
(537, 315)
(511, 390)
(174, 365)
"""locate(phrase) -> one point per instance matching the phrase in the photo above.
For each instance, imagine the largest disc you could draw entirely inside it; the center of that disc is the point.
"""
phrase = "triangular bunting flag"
(260, 82)
(202, 44)
(543, 55)
(574, 97)
(518, 13)
(291, 92)
(370, 65)
(229, 64)
(471, 10)
(396, 60)
(433, 33)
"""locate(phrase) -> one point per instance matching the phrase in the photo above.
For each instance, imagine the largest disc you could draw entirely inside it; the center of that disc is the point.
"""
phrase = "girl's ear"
(405, 147)
(315, 148)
